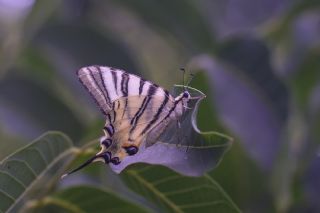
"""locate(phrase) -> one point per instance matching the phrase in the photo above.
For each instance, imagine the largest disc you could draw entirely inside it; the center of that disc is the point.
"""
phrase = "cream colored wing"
(133, 118)
(107, 84)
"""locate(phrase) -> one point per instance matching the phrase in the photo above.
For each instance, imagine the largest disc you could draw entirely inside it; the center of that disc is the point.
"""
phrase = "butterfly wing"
(107, 84)
(136, 115)
(132, 105)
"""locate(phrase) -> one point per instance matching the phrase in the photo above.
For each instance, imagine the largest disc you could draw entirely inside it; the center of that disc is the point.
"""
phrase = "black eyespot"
(131, 150)
(186, 95)
(107, 142)
(115, 161)
(106, 156)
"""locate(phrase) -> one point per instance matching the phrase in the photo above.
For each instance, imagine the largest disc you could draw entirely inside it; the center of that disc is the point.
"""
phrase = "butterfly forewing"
(132, 105)
(107, 85)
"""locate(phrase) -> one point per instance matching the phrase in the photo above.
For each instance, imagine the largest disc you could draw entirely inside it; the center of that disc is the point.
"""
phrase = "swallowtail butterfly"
(137, 111)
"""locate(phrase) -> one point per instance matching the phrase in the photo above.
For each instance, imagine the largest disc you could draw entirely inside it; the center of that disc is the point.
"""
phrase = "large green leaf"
(82, 199)
(175, 193)
(34, 166)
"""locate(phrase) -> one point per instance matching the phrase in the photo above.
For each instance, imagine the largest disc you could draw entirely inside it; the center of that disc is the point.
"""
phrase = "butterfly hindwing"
(133, 106)
(137, 117)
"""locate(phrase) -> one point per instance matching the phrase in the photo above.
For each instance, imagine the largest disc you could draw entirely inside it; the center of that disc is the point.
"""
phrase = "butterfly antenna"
(191, 78)
(183, 74)
(89, 161)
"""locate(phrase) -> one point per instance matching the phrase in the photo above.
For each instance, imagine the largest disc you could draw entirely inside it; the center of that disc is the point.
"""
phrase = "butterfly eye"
(186, 94)
(106, 156)
(115, 161)
(131, 150)
(107, 142)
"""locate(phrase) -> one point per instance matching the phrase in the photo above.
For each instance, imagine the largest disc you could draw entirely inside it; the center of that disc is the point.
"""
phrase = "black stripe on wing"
(141, 84)
(96, 74)
(98, 81)
(115, 80)
(124, 84)
(157, 115)
(89, 88)
(151, 91)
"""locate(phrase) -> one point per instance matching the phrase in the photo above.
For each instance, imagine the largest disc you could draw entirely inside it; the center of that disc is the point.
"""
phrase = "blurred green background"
(257, 61)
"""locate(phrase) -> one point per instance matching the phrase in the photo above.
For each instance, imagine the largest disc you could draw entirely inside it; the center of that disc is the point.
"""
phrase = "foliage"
(257, 62)
(29, 176)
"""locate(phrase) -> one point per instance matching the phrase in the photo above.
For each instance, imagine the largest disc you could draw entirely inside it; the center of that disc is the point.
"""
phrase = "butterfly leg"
(178, 125)
(181, 136)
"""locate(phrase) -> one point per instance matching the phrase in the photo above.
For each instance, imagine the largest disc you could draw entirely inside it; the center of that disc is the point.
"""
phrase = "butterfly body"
(137, 111)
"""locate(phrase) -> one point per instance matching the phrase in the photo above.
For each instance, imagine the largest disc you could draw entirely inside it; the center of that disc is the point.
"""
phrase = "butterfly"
(136, 110)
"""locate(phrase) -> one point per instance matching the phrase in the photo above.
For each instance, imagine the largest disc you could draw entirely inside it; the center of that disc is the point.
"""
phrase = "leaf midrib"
(226, 196)
(64, 204)
(157, 192)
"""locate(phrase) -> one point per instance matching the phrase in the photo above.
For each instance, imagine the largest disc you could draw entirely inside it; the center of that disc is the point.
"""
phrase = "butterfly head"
(186, 95)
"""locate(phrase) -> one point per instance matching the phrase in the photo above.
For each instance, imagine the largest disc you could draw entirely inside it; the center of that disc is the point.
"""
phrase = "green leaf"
(83, 199)
(241, 177)
(12, 143)
(34, 104)
(306, 77)
(23, 173)
(189, 23)
(207, 113)
(175, 193)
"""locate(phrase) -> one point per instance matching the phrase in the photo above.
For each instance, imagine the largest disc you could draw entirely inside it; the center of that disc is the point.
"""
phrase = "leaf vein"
(50, 147)
(163, 180)
(41, 155)
(156, 191)
(40, 176)
(175, 192)
(7, 195)
(195, 205)
(14, 178)
(25, 163)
